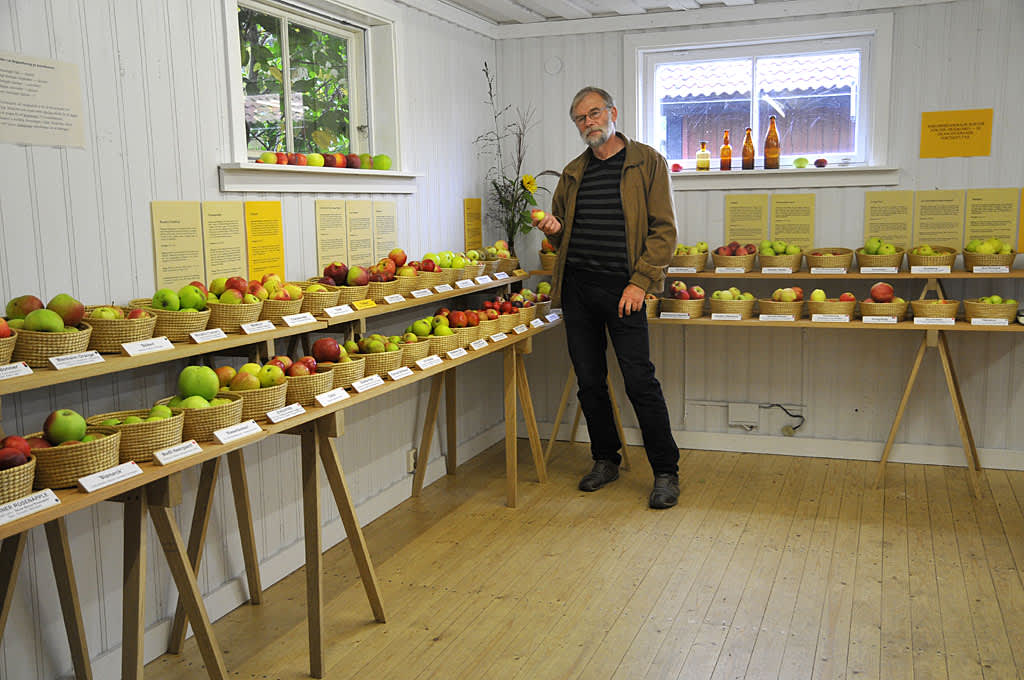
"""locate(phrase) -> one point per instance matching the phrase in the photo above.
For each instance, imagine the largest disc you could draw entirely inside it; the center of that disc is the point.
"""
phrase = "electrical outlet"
(410, 461)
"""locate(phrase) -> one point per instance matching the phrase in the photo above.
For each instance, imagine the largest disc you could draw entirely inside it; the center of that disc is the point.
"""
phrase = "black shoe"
(666, 491)
(604, 471)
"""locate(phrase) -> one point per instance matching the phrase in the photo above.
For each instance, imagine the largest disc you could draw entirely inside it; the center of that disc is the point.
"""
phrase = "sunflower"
(530, 183)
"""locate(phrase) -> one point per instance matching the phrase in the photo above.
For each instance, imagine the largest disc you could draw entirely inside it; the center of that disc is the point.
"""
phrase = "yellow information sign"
(364, 304)
(359, 215)
(177, 243)
(331, 233)
(264, 234)
(889, 215)
(793, 219)
(224, 237)
(746, 218)
(385, 231)
(945, 134)
(992, 213)
(939, 218)
(472, 221)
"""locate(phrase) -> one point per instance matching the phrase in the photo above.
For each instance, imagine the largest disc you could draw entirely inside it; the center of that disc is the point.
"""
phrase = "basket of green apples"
(143, 431)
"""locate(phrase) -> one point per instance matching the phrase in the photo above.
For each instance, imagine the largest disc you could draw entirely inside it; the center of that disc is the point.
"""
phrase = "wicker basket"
(318, 300)
(868, 260)
(547, 261)
(274, 310)
(304, 388)
(769, 306)
(467, 335)
(201, 423)
(745, 308)
(256, 403)
(175, 326)
(347, 372)
(972, 260)
(746, 262)
(507, 322)
(407, 284)
(471, 271)
(490, 266)
(379, 290)
(439, 344)
(698, 261)
(229, 318)
(846, 307)
(872, 308)
(59, 467)
(489, 327)
(508, 264)
(453, 275)
(527, 314)
(432, 279)
(349, 294)
(7, 347)
(974, 308)
(108, 334)
(944, 257)
(36, 347)
(651, 307)
(16, 482)
(693, 307)
(379, 363)
(830, 258)
(791, 261)
(414, 351)
(140, 440)
(543, 308)
(935, 309)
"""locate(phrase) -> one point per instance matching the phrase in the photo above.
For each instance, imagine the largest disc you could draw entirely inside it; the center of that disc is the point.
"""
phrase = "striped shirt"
(598, 240)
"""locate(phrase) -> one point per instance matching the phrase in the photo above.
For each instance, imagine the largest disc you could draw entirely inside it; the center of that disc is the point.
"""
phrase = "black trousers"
(590, 307)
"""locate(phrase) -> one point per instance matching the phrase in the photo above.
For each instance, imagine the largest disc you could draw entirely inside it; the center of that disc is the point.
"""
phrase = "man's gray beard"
(595, 142)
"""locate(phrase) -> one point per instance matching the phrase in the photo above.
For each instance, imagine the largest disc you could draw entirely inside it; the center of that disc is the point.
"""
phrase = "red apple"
(472, 318)
(284, 360)
(508, 308)
(457, 319)
(136, 313)
(442, 311)
(882, 292)
(201, 286)
(847, 297)
(238, 283)
(491, 313)
(398, 256)
(799, 293)
(38, 443)
(428, 265)
(298, 369)
(10, 458)
(15, 442)
(336, 270)
(326, 349)
(5, 329)
(352, 161)
(696, 293)
(310, 362)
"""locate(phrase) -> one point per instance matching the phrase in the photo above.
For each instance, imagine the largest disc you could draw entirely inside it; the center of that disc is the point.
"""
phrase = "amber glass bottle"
(771, 146)
(703, 157)
(748, 152)
(725, 153)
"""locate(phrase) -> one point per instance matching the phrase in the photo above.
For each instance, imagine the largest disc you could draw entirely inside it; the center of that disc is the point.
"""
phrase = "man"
(613, 222)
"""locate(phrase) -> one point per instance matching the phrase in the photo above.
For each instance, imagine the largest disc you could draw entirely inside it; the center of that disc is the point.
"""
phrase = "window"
(825, 82)
(303, 82)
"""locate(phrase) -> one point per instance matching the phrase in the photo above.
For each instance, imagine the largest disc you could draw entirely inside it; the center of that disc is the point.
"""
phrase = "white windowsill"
(786, 178)
(259, 177)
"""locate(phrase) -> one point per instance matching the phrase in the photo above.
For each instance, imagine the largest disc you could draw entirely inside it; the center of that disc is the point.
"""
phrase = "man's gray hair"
(608, 101)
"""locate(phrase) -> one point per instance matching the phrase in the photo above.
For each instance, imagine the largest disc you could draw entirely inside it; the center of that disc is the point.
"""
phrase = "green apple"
(268, 157)
(365, 161)
(251, 367)
(110, 422)
(132, 420)
(64, 425)
(45, 320)
(165, 298)
(220, 401)
(218, 285)
(175, 401)
(421, 328)
(153, 419)
(382, 162)
(441, 331)
(161, 411)
(544, 287)
(887, 249)
(800, 162)
(270, 375)
(198, 381)
(190, 297)
(792, 249)
(195, 401)
(92, 436)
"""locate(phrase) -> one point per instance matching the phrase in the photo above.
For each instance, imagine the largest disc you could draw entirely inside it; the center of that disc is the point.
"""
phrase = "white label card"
(15, 370)
(369, 382)
(674, 315)
(421, 293)
(298, 319)
(400, 372)
(478, 344)
(929, 269)
(828, 270)
(340, 310)
(776, 317)
(551, 318)
(557, 310)
(139, 347)
(830, 318)
(776, 270)
(726, 317)
(28, 505)
(457, 352)
(257, 327)
(209, 334)
(682, 270)
(879, 270)
(872, 318)
(80, 359)
(498, 337)
(991, 269)
(427, 362)
(285, 412)
(394, 299)
(235, 432)
(981, 321)
(332, 397)
(464, 283)
(113, 475)
(933, 321)
(484, 279)
(177, 452)
(729, 270)
(500, 276)
(443, 288)
(521, 328)
(537, 323)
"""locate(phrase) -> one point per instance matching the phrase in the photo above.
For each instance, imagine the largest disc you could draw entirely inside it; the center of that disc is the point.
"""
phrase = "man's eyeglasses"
(592, 114)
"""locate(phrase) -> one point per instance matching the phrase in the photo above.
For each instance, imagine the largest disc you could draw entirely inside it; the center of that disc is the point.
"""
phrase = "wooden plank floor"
(770, 567)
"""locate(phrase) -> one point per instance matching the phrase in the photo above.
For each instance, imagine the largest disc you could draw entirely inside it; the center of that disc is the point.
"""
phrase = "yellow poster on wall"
(992, 213)
(224, 238)
(177, 243)
(331, 233)
(359, 216)
(746, 218)
(946, 134)
(793, 219)
(264, 235)
(889, 215)
(385, 229)
(939, 218)
(472, 222)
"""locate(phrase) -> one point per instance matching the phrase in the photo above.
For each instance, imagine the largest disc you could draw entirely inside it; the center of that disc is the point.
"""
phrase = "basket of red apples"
(262, 388)
(285, 299)
(787, 301)
(17, 468)
(466, 324)
(820, 303)
(234, 301)
(733, 301)
(882, 301)
(7, 340)
(351, 282)
(306, 378)
(828, 258)
(683, 298)
(735, 255)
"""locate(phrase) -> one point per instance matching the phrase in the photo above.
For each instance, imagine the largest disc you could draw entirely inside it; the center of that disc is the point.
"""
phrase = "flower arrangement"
(512, 192)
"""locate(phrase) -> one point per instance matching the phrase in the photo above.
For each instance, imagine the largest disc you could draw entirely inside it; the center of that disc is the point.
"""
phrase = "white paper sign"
(879, 270)
(15, 370)
(557, 310)
(537, 323)
(501, 276)
(478, 344)
(139, 347)
(28, 505)
(828, 270)
(874, 318)
(726, 317)
(209, 334)
(484, 279)
(981, 321)
(394, 299)
(776, 270)
(400, 372)
(991, 269)
(340, 310)
(729, 270)
(521, 328)
(427, 362)
(674, 315)
(457, 352)
(299, 319)
(682, 270)
(929, 269)
(113, 475)
(332, 396)
(80, 359)
(551, 318)
(498, 337)
(830, 318)
(177, 452)
(367, 383)
(421, 293)
(257, 327)
(235, 432)
(776, 317)
(443, 288)
(464, 283)
(285, 412)
(933, 321)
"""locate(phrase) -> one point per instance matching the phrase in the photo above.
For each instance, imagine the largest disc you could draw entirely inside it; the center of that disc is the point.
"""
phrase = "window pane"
(259, 36)
(812, 97)
(320, 80)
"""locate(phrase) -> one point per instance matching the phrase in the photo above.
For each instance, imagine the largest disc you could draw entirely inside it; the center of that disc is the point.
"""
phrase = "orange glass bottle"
(771, 146)
(725, 153)
(748, 151)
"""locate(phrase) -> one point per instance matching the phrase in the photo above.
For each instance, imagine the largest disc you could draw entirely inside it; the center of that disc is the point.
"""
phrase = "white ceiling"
(505, 12)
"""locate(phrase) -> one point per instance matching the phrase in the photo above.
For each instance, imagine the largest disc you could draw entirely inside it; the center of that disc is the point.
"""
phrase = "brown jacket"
(648, 208)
